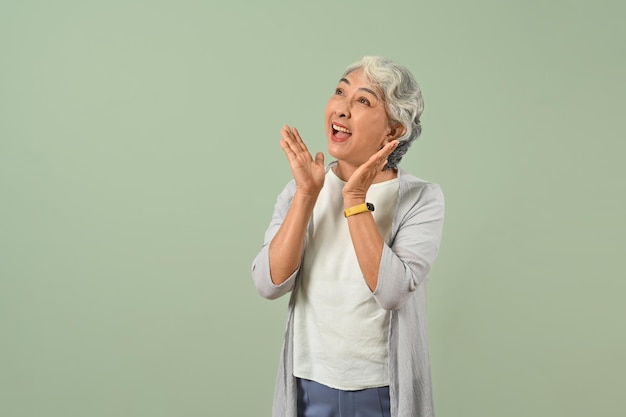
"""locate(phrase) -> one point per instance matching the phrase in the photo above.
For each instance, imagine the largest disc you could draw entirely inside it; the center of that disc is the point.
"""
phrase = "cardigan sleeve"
(406, 261)
(261, 264)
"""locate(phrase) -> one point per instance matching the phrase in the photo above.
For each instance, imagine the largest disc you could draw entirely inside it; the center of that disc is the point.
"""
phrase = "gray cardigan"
(405, 263)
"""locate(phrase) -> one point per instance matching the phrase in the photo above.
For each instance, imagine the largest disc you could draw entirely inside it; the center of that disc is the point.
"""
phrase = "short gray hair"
(402, 95)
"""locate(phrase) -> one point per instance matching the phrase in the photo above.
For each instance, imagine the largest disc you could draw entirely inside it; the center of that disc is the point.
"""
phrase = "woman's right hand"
(308, 173)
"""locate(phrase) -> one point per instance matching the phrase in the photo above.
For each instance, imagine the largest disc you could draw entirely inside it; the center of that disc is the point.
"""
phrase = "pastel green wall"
(139, 164)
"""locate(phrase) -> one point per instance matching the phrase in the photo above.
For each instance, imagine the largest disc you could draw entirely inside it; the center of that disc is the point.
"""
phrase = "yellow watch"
(361, 208)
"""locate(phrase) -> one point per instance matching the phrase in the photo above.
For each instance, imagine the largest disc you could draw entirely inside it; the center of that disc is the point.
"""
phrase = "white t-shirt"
(340, 331)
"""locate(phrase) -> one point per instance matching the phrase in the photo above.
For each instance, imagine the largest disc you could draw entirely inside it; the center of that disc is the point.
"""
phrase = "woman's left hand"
(356, 188)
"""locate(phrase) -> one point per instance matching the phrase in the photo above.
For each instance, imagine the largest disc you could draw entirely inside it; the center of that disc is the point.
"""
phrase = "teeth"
(341, 129)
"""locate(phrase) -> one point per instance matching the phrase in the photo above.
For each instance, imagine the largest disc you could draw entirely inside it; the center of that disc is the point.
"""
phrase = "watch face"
(370, 206)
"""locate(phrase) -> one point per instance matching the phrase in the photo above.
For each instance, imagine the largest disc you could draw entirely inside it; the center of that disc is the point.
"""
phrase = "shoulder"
(419, 201)
(418, 191)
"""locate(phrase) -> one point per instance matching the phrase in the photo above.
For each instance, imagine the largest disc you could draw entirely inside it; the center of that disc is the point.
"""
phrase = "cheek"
(375, 126)
(331, 104)
(327, 113)
(383, 126)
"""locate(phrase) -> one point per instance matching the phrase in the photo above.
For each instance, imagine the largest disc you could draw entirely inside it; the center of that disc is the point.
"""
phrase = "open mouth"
(341, 132)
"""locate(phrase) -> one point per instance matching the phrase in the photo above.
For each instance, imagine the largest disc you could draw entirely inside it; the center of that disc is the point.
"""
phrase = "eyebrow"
(367, 90)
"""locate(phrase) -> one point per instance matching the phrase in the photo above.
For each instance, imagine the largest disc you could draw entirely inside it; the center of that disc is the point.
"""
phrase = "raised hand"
(309, 173)
(361, 180)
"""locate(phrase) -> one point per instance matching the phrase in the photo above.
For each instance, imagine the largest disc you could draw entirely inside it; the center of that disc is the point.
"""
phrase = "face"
(357, 124)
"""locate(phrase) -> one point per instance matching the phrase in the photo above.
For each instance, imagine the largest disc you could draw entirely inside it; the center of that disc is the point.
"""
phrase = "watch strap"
(360, 208)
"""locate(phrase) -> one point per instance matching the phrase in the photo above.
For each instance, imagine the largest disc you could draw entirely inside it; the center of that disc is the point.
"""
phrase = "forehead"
(357, 79)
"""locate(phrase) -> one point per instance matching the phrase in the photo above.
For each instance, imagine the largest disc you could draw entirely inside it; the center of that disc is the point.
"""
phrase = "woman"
(353, 242)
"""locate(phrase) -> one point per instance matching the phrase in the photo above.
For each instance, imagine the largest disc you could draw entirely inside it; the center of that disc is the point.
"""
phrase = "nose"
(342, 109)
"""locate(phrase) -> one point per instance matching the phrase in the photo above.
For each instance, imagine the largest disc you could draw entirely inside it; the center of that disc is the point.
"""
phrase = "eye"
(339, 92)
(363, 100)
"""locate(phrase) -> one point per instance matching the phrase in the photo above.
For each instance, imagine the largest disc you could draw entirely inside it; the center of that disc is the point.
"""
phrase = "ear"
(395, 132)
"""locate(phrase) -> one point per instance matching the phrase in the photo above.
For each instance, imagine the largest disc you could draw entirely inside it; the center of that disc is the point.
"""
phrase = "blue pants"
(317, 400)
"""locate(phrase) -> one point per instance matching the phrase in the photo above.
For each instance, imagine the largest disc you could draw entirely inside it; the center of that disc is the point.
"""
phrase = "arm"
(393, 272)
(286, 247)
(366, 239)
(261, 274)
(284, 242)
(285, 250)
(405, 264)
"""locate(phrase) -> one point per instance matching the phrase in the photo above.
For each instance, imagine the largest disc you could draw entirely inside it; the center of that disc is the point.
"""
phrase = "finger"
(383, 154)
(287, 140)
(287, 150)
(290, 141)
(290, 134)
(298, 144)
(285, 132)
(319, 158)
(390, 147)
(299, 140)
(379, 159)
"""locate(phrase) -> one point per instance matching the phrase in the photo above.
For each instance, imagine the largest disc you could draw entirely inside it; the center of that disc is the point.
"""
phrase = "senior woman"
(353, 243)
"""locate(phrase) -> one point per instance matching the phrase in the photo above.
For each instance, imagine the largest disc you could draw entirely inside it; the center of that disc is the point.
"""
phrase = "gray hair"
(402, 96)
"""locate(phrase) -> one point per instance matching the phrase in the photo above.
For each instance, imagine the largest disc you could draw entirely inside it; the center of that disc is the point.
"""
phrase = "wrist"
(351, 201)
(307, 197)
(360, 208)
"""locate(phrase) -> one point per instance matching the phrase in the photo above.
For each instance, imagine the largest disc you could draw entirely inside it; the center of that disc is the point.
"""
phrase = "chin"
(336, 151)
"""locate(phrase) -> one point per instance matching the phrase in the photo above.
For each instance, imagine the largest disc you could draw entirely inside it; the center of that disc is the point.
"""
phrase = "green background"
(139, 165)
